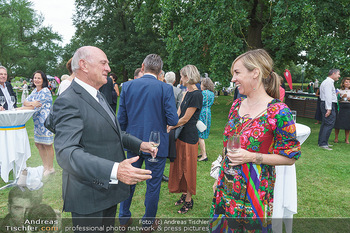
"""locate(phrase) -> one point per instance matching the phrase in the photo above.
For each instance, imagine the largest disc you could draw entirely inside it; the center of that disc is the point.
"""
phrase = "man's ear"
(143, 68)
(83, 65)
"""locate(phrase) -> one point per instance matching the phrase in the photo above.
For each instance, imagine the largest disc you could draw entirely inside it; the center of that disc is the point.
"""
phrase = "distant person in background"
(66, 82)
(170, 79)
(62, 86)
(328, 107)
(161, 76)
(25, 91)
(115, 92)
(41, 101)
(138, 73)
(343, 117)
(282, 90)
(207, 87)
(6, 90)
(53, 87)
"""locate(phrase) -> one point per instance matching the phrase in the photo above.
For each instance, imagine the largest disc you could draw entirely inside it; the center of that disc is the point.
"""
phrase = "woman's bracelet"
(258, 158)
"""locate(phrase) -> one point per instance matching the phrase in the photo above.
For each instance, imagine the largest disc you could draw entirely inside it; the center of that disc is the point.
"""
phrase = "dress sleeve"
(285, 140)
(197, 101)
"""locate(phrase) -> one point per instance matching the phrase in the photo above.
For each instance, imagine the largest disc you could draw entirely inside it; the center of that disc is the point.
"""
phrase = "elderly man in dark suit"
(90, 146)
(6, 89)
(146, 105)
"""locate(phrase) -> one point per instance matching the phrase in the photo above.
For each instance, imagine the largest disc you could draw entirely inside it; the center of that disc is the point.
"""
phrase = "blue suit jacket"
(147, 104)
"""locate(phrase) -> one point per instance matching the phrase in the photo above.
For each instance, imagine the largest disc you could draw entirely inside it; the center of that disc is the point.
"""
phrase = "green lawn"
(323, 177)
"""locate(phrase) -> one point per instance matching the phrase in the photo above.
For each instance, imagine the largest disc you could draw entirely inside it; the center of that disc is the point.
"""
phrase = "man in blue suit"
(147, 104)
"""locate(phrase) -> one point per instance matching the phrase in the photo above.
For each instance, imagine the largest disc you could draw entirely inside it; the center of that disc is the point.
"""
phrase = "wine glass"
(154, 140)
(12, 102)
(233, 145)
(2, 100)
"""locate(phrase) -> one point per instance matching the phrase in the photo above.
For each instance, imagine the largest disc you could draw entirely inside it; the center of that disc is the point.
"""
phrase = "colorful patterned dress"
(41, 134)
(244, 202)
(205, 116)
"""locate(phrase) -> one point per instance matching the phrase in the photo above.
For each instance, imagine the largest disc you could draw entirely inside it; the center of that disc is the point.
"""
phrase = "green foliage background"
(308, 37)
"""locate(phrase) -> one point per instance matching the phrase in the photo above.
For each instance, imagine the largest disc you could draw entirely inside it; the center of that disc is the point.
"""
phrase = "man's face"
(3, 76)
(18, 208)
(336, 76)
(98, 68)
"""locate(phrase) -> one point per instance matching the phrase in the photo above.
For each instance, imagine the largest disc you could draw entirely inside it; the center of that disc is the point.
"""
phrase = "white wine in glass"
(154, 140)
(233, 145)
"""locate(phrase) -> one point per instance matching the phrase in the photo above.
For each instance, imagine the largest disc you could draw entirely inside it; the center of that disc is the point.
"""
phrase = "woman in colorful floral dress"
(243, 199)
(41, 101)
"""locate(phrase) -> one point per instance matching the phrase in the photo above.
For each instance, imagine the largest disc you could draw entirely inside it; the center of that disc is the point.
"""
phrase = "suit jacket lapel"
(93, 103)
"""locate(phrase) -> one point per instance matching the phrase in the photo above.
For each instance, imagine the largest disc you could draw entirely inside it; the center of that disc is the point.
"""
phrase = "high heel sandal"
(181, 200)
(186, 207)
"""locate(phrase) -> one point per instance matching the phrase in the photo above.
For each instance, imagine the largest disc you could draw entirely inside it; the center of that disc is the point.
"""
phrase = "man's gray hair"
(332, 71)
(153, 64)
(3, 67)
(170, 77)
(81, 53)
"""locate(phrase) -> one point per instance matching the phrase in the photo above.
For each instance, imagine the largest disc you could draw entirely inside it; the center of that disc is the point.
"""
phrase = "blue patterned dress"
(41, 134)
(205, 116)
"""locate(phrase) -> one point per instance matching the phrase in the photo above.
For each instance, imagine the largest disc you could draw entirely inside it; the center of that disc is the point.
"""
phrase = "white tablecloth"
(14, 143)
(285, 192)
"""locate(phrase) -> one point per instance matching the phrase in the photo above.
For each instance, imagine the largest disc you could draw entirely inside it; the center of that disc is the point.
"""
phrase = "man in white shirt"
(328, 107)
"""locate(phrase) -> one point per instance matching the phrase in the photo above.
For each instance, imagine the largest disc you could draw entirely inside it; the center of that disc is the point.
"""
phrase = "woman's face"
(38, 80)
(243, 78)
(347, 83)
(184, 80)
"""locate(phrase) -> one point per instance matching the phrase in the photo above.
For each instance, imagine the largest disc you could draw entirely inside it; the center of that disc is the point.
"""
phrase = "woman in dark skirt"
(343, 116)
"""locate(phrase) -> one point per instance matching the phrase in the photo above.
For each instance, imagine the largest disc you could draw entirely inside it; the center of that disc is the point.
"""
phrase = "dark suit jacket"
(147, 104)
(87, 143)
(107, 90)
(12, 93)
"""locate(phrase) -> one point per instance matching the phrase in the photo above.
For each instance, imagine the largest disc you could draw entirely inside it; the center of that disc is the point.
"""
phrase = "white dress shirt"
(93, 92)
(327, 93)
(6, 94)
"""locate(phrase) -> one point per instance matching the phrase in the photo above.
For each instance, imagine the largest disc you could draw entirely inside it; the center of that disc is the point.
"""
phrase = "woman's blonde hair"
(261, 60)
(192, 73)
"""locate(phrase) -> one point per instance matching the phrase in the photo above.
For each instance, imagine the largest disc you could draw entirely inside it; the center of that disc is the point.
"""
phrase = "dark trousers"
(327, 124)
(95, 222)
(152, 192)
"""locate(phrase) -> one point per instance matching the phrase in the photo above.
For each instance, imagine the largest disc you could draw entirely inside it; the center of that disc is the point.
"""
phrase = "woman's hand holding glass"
(236, 154)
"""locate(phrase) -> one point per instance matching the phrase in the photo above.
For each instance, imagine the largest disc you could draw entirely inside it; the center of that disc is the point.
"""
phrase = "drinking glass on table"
(294, 114)
(154, 140)
(12, 102)
(2, 100)
(233, 145)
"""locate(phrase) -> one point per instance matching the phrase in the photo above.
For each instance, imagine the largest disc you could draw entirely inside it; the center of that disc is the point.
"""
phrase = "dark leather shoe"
(165, 178)
(124, 228)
